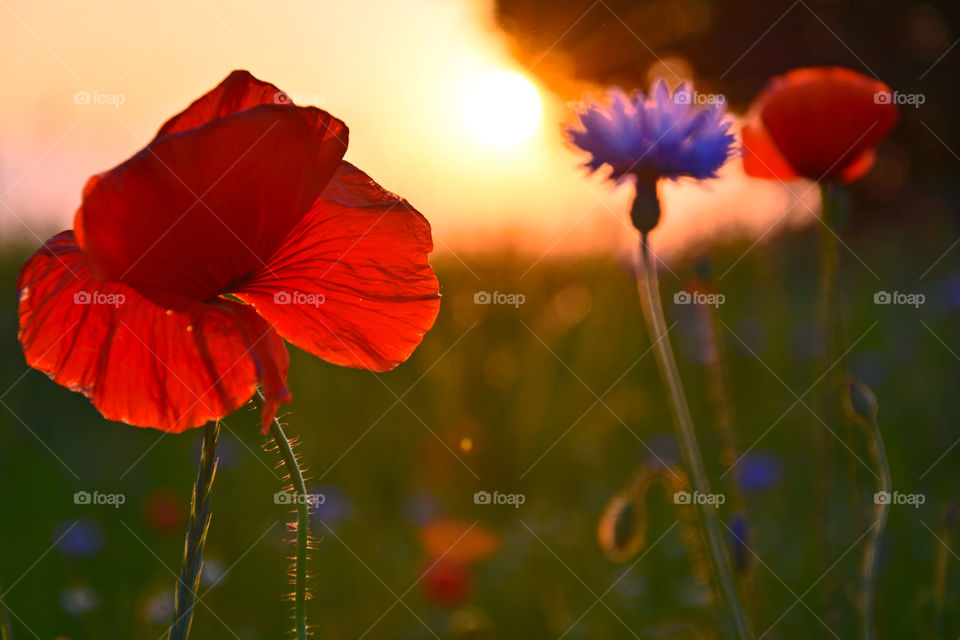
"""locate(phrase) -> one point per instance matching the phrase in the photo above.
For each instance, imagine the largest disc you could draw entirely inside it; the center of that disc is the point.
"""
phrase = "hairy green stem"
(303, 527)
(871, 553)
(189, 581)
(649, 290)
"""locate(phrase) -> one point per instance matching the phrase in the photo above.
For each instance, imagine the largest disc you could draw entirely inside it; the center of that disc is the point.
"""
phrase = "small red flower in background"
(817, 123)
(237, 226)
(164, 511)
(452, 547)
(447, 584)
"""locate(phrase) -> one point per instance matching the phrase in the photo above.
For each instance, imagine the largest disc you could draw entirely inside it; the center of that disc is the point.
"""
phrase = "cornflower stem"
(303, 527)
(186, 593)
(871, 552)
(649, 291)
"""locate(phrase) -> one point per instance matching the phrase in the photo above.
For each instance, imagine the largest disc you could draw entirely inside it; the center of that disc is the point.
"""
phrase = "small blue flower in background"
(739, 542)
(79, 538)
(420, 507)
(332, 508)
(759, 471)
(951, 292)
(660, 135)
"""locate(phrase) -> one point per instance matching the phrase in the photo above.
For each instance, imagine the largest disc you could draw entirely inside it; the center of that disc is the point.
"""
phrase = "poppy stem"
(871, 553)
(835, 213)
(303, 526)
(189, 581)
(649, 290)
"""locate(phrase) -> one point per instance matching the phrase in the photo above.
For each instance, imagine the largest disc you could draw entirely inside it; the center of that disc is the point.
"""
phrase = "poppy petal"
(238, 91)
(823, 119)
(761, 157)
(859, 167)
(138, 362)
(353, 284)
(196, 213)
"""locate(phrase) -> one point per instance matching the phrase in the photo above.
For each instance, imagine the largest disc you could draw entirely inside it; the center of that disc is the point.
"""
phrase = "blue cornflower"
(759, 471)
(81, 538)
(660, 135)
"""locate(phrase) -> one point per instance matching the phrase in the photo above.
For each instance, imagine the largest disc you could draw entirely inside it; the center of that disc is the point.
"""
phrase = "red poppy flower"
(238, 225)
(818, 123)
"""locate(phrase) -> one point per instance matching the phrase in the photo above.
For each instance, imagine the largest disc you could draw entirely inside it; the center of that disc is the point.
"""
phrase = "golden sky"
(403, 74)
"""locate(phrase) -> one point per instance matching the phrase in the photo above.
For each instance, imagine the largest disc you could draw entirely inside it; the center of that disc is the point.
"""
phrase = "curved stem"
(189, 581)
(649, 290)
(303, 527)
(871, 553)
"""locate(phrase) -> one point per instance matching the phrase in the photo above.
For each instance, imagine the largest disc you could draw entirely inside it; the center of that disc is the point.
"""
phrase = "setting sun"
(501, 108)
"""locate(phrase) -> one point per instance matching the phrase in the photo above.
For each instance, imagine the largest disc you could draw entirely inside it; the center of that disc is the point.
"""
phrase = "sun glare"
(501, 108)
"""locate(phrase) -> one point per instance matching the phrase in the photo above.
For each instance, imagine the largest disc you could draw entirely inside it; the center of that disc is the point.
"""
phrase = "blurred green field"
(505, 399)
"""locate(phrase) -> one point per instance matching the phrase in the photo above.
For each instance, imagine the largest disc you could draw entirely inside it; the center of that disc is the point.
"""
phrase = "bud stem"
(871, 553)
